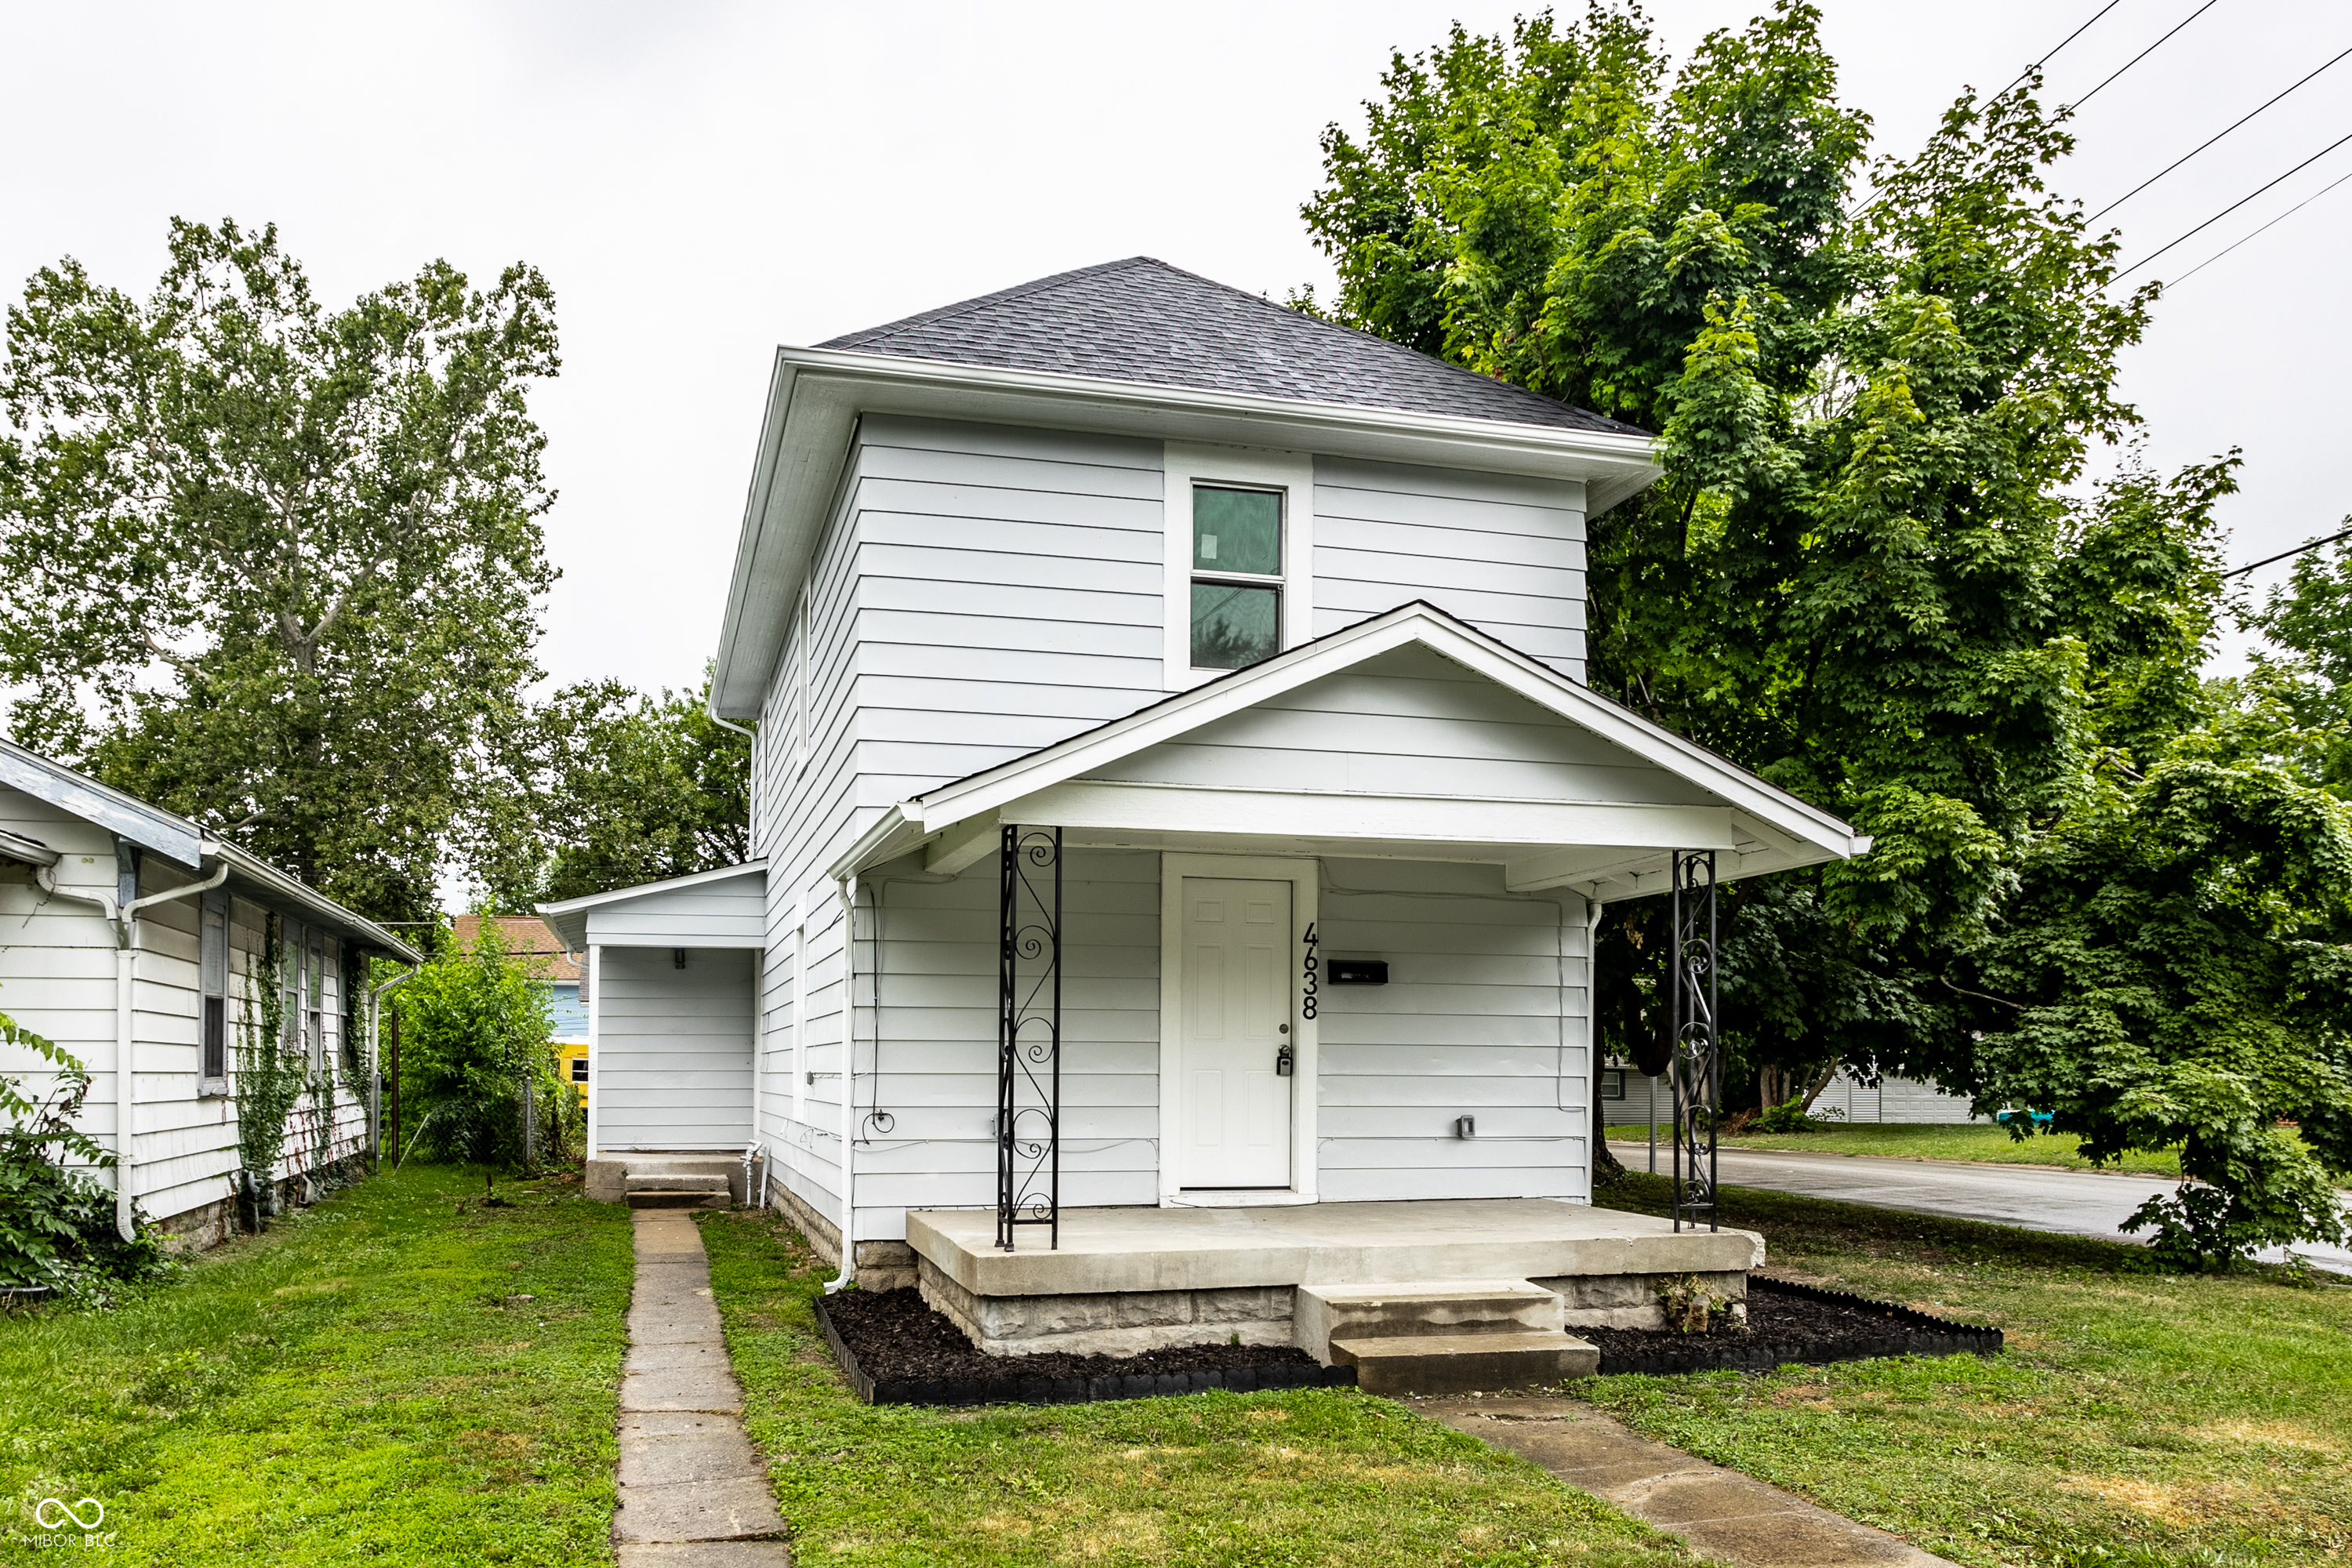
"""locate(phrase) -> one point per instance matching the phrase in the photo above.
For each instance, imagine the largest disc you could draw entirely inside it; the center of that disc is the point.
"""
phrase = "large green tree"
(271, 564)
(613, 787)
(1871, 573)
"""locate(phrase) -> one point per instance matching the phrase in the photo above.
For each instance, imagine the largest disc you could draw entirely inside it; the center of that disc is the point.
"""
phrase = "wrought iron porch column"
(1029, 1033)
(1698, 1065)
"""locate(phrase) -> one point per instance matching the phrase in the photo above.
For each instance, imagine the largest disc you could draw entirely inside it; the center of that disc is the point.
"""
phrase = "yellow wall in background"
(566, 1053)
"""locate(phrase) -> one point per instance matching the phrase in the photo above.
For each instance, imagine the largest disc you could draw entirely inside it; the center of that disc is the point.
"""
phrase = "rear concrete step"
(1465, 1364)
(677, 1190)
(1325, 1314)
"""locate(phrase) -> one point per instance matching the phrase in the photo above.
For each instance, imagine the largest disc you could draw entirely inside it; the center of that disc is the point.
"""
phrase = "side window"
(1237, 576)
(290, 953)
(314, 1009)
(211, 1023)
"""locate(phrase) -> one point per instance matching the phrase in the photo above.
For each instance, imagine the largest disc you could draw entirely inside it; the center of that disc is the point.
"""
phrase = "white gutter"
(125, 917)
(845, 893)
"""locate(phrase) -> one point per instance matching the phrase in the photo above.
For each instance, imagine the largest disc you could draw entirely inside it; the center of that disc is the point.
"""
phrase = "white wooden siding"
(727, 912)
(674, 1049)
(1407, 722)
(1503, 553)
(56, 979)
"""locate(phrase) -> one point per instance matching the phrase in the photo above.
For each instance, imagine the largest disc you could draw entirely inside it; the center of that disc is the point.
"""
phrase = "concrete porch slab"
(1124, 1250)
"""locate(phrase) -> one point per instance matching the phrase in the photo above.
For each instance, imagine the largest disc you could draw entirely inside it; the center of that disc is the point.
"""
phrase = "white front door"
(1234, 1033)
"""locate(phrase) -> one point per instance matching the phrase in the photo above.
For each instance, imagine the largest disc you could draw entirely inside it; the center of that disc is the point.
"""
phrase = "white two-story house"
(1178, 804)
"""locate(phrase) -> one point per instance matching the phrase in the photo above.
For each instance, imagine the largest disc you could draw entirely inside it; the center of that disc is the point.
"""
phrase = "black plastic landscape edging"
(1920, 1335)
(1073, 1390)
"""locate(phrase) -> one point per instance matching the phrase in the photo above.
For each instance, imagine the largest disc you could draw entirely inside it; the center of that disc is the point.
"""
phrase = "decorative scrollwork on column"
(1697, 1065)
(1029, 1034)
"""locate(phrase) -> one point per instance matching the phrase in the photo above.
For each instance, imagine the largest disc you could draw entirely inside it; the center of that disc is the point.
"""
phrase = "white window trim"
(1251, 467)
(596, 988)
(1305, 884)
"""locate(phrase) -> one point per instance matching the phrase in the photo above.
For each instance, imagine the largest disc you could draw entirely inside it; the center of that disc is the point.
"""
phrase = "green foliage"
(611, 788)
(321, 527)
(475, 1024)
(1790, 1116)
(56, 1224)
(395, 1377)
(271, 1070)
(1872, 574)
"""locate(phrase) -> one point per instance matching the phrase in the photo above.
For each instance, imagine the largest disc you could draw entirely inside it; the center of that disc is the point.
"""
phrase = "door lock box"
(1281, 1062)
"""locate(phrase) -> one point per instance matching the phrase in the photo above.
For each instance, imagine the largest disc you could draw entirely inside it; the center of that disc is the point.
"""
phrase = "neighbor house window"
(1613, 1083)
(1237, 576)
(212, 964)
(580, 1070)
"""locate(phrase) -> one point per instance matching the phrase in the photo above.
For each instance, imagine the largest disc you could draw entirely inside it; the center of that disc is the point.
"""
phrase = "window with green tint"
(1236, 531)
(1234, 625)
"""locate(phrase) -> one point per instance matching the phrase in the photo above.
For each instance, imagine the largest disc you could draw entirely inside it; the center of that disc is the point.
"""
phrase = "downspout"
(751, 1154)
(123, 915)
(376, 1060)
(845, 892)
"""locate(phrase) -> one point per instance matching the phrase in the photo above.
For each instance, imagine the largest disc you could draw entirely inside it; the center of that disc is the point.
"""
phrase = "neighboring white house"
(132, 937)
(1175, 786)
(1626, 1096)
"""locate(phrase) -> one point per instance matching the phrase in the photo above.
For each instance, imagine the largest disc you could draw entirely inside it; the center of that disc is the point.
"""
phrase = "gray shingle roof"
(1141, 320)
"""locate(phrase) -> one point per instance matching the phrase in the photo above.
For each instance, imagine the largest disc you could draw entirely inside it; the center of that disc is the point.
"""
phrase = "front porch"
(1129, 1279)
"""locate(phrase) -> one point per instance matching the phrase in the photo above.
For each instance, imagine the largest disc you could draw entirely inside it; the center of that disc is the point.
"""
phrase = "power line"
(1872, 200)
(2200, 148)
(2282, 217)
(2283, 554)
(2234, 206)
(2143, 53)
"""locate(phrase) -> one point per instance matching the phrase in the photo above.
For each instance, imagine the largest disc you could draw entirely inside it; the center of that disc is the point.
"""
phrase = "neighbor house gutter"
(125, 917)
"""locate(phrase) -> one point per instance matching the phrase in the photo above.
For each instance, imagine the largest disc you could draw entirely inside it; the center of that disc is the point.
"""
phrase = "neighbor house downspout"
(375, 1060)
(752, 1153)
(123, 915)
(846, 890)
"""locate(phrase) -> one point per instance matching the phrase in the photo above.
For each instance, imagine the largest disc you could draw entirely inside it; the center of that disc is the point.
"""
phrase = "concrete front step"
(1325, 1313)
(1465, 1364)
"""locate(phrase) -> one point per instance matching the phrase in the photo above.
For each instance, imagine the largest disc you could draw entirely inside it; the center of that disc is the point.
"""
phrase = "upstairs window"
(1237, 576)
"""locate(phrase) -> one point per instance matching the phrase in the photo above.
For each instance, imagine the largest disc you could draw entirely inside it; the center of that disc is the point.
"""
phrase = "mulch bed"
(1790, 1323)
(899, 1351)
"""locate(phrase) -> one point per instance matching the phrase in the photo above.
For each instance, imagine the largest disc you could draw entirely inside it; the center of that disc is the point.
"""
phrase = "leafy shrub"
(1790, 1116)
(56, 1224)
(475, 1027)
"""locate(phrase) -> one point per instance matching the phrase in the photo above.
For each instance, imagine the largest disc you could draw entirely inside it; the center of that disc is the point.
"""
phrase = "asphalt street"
(2081, 1203)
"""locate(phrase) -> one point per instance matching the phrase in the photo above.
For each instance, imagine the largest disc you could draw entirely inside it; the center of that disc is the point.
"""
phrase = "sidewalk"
(692, 1492)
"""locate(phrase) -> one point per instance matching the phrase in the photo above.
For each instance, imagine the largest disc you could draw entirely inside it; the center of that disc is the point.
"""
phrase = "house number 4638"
(1307, 976)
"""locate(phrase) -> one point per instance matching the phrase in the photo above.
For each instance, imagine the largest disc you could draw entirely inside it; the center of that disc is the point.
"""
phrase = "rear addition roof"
(1141, 320)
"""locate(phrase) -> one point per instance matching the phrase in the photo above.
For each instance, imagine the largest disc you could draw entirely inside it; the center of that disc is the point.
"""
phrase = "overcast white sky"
(704, 181)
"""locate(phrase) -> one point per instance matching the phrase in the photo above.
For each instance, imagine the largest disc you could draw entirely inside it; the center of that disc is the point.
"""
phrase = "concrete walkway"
(2035, 1197)
(693, 1494)
(1722, 1513)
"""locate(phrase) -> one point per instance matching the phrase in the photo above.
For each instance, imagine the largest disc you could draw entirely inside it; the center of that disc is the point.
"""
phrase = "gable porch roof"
(1603, 849)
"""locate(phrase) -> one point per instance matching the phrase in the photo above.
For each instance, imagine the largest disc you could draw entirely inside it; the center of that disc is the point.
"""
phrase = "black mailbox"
(1359, 971)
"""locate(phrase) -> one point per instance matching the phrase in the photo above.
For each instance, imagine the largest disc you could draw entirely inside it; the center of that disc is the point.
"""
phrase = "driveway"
(2080, 1203)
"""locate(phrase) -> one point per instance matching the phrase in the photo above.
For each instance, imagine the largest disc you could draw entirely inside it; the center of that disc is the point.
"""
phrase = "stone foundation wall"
(1629, 1300)
(881, 1265)
(1112, 1323)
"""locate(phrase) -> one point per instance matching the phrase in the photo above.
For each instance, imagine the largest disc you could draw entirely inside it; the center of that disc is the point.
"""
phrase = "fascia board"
(149, 828)
(643, 889)
(260, 882)
(816, 396)
(1011, 781)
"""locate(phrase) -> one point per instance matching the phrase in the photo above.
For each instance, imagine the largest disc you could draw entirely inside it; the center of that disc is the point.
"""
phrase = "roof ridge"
(1017, 291)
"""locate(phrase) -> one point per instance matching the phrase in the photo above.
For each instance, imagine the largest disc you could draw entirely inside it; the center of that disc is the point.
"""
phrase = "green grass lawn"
(2136, 1419)
(365, 1383)
(1207, 1481)
(1979, 1143)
